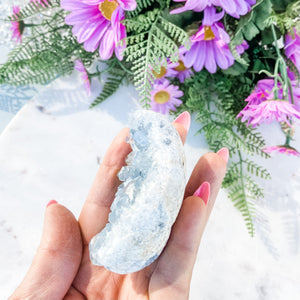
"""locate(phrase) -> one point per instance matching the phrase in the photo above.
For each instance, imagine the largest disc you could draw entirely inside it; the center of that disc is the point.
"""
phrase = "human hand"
(62, 269)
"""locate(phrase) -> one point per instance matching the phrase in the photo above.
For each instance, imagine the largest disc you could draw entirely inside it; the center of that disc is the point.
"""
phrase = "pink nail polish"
(184, 119)
(51, 202)
(203, 192)
(224, 153)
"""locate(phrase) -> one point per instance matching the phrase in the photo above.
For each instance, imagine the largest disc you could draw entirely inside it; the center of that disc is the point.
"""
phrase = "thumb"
(57, 259)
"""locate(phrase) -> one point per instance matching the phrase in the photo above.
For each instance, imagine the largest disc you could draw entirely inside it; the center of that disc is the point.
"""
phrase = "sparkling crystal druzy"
(148, 201)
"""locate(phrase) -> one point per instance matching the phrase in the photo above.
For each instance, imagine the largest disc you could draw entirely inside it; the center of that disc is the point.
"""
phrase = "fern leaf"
(237, 193)
(257, 170)
(217, 100)
(144, 5)
(49, 52)
(32, 8)
(110, 87)
(148, 48)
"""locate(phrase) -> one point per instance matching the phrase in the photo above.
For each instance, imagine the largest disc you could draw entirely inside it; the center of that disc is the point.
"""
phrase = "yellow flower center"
(161, 74)
(181, 67)
(161, 97)
(107, 8)
(208, 34)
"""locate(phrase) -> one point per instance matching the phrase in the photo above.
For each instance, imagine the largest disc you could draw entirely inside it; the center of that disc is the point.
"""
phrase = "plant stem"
(288, 137)
(275, 40)
(31, 25)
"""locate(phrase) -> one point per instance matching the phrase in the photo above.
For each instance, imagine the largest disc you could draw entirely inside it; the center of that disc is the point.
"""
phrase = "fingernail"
(184, 119)
(224, 153)
(203, 192)
(51, 202)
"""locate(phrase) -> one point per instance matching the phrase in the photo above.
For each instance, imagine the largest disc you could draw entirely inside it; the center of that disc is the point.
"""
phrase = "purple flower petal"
(93, 42)
(87, 30)
(211, 16)
(72, 5)
(93, 29)
(292, 48)
(210, 63)
(91, 2)
(107, 45)
(235, 8)
(199, 62)
(171, 92)
(191, 55)
(81, 16)
(128, 4)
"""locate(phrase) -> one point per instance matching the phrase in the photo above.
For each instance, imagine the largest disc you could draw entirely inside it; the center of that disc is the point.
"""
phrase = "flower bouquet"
(234, 63)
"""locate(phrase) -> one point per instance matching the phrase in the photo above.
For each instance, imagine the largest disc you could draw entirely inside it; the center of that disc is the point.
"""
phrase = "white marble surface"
(5, 118)
(52, 150)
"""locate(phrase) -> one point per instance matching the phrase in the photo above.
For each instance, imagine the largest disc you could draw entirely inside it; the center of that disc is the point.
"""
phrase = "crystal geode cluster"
(148, 201)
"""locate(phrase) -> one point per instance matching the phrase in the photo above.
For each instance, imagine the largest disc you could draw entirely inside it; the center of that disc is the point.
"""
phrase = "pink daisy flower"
(17, 27)
(210, 44)
(262, 93)
(235, 8)
(181, 71)
(164, 97)
(256, 98)
(285, 149)
(268, 111)
(78, 65)
(97, 24)
(266, 87)
(164, 72)
(292, 48)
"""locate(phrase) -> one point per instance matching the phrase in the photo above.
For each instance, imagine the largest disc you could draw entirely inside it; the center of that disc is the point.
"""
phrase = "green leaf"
(236, 69)
(261, 12)
(250, 25)
(286, 17)
(280, 5)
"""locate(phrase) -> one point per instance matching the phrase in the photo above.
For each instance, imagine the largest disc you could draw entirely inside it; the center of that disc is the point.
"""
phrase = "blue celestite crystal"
(148, 201)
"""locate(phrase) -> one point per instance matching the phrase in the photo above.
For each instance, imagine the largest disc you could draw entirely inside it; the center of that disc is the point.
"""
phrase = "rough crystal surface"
(148, 201)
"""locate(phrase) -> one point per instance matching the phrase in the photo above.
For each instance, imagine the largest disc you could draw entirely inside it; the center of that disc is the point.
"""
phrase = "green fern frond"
(140, 6)
(240, 198)
(176, 33)
(145, 5)
(32, 8)
(216, 100)
(49, 52)
(153, 39)
(257, 170)
(288, 19)
(254, 191)
(110, 87)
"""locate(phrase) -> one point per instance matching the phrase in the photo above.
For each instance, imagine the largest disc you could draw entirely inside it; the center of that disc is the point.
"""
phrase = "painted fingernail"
(224, 153)
(51, 202)
(203, 192)
(184, 119)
